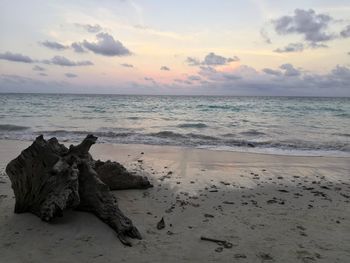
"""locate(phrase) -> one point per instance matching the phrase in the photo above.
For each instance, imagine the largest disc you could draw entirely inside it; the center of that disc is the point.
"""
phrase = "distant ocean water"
(281, 125)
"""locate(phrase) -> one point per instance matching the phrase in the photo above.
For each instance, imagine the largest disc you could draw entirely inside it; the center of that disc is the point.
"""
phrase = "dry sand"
(271, 208)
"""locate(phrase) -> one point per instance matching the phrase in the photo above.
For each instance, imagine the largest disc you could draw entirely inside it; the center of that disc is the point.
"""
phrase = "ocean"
(277, 125)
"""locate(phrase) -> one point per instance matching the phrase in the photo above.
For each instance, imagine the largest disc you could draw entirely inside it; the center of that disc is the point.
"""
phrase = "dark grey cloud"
(90, 28)
(38, 68)
(126, 65)
(54, 45)
(345, 32)
(290, 70)
(212, 74)
(272, 72)
(42, 74)
(16, 57)
(78, 47)
(211, 59)
(71, 75)
(56, 60)
(106, 45)
(164, 68)
(63, 61)
(308, 23)
(292, 47)
(285, 70)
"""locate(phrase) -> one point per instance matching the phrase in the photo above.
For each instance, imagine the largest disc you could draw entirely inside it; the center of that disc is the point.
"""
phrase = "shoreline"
(288, 153)
(272, 208)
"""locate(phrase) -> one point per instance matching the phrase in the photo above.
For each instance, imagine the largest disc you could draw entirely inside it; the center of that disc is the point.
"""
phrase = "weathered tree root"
(48, 178)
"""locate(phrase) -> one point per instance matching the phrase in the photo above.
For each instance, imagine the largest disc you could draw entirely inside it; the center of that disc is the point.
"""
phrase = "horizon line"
(173, 95)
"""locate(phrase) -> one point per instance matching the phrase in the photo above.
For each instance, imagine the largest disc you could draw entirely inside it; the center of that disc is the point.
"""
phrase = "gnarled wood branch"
(48, 178)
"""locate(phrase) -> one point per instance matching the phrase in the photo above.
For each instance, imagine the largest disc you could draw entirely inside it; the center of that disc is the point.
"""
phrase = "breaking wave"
(10, 127)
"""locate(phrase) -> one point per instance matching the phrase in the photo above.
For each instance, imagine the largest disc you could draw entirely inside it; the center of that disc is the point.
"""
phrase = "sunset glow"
(131, 46)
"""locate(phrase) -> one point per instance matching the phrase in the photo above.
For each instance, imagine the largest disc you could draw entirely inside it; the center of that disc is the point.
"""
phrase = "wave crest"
(193, 125)
(10, 127)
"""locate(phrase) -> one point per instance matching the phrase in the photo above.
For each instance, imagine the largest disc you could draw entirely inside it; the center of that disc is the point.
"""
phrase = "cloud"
(345, 32)
(194, 78)
(231, 76)
(338, 77)
(292, 47)
(265, 36)
(90, 28)
(212, 74)
(289, 70)
(164, 68)
(150, 80)
(285, 70)
(77, 47)
(106, 46)
(341, 72)
(312, 26)
(56, 60)
(207, 71)
(126, 65)
(38, 68)
(272, 72)
(71, 75)
(211, 59)
(317, 45)
(42, 74)
(243, 80)
(16, 57)
(183, 81)
(54, 45)
(285, 80)
(192, 61)
(16, 83)
(63, 61)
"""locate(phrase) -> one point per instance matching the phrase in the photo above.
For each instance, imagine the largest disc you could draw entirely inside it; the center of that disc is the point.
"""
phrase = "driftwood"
(48, 178)
(223, 243)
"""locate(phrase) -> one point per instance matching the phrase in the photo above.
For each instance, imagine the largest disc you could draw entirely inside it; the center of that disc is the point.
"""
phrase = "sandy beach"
(271, 208)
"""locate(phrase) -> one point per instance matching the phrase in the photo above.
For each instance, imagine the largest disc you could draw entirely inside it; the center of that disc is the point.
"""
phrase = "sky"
(192, 47)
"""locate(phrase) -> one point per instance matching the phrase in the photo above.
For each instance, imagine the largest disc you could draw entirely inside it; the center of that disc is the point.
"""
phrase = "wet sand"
(271, 208)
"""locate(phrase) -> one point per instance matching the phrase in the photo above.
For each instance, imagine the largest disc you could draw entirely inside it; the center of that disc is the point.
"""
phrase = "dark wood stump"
(48, 178)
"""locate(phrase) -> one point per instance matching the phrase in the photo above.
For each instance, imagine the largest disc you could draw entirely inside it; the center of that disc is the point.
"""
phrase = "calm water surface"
(316, 126)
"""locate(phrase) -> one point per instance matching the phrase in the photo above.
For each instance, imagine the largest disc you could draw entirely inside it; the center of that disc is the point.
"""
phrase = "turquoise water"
(288, 125)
